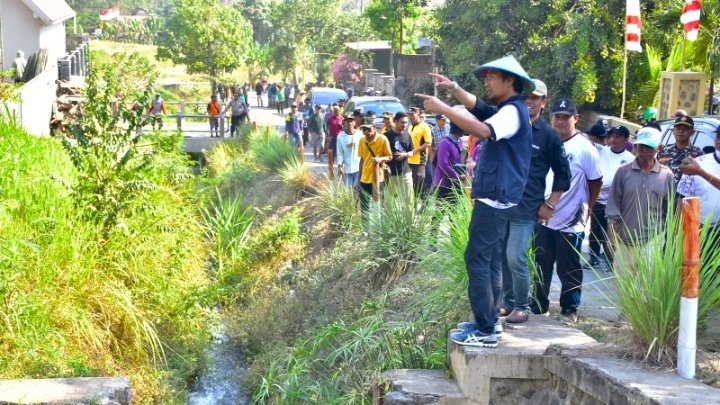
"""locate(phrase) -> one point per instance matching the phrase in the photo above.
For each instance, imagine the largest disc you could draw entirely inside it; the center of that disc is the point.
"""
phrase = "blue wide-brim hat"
(507, 64)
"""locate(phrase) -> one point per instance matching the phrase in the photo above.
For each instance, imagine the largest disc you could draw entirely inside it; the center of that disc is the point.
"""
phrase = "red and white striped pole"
(690, 282)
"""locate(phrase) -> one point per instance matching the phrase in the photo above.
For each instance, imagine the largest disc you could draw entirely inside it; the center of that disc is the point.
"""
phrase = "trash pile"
(67, 106)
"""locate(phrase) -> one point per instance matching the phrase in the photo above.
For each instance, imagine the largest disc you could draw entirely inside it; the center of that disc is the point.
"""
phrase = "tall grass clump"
(647, 290)
(401, 233)
(228, 224)
(270, 151)
(342, 362)
(297, 175)
(446, 265)
(102, 260)
(339, 203)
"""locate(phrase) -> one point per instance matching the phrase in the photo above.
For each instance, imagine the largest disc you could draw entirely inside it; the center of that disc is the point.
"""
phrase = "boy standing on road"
(213, 109)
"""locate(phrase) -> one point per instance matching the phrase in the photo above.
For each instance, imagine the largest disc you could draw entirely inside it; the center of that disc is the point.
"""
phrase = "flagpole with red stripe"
(690, 20)
(632, 41)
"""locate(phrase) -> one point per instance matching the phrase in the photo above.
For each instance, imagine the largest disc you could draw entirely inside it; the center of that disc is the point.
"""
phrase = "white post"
(687, 337)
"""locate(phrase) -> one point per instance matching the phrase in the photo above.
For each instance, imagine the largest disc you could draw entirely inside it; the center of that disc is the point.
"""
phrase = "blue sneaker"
(468, 326)
(474, 338)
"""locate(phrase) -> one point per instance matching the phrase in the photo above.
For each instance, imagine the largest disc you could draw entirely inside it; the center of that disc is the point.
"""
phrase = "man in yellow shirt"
(421, 136)
(374, 149)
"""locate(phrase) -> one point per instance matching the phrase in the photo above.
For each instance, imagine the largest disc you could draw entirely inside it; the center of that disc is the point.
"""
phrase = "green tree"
(205, 37)
(575, 47)
(308, 31)
(394, 19)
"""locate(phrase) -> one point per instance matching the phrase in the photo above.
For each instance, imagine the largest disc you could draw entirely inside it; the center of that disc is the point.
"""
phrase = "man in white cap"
(548, 153)
(638, 201)
(498, 184)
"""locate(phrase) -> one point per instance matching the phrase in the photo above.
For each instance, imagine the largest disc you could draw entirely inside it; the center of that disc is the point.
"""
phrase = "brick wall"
(412, 76)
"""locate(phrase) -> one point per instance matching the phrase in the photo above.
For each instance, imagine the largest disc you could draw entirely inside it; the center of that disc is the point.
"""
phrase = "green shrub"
(73, 303)
(227, 224)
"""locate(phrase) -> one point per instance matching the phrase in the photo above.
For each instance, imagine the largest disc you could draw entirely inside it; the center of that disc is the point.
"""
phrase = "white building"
(30, 25)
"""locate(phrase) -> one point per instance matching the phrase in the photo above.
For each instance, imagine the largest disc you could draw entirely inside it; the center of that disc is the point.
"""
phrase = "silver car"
(704, 137)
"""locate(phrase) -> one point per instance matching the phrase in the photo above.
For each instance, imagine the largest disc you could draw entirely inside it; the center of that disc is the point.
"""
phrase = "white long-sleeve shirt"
(347, 151)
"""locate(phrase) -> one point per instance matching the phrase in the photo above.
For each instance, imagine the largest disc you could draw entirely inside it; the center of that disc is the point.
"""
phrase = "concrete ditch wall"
(543, 362)
(106, 391)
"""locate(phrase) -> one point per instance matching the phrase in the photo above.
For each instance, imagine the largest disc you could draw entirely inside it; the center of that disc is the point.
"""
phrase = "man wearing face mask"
(701, 178)
(239, 111)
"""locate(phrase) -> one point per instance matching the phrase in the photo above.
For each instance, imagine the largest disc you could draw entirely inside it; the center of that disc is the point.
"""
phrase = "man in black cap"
(597, 134)
(672, 155)
(611, 158)
(498, 184)
(559, 239)
(439, 132)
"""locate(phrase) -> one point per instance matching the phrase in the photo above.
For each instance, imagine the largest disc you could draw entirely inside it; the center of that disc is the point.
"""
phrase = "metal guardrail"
(182, 115)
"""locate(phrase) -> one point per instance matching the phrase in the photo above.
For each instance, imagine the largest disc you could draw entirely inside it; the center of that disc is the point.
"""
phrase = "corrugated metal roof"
(50, 11)
(368, 45)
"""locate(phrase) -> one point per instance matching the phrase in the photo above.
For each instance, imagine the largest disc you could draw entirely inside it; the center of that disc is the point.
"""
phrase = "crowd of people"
(532, 182)
(538, 182)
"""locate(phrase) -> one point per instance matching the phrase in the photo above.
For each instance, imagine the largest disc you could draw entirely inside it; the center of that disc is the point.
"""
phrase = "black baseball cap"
(598, 130)
(685, 120)
(456, 130)
(564, 106)
(621, 130)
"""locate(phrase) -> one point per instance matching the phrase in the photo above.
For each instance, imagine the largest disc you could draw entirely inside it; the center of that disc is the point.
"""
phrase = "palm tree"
(705, 51)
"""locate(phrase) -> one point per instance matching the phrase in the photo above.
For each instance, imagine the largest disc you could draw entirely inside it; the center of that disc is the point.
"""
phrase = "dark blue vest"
(502, 168)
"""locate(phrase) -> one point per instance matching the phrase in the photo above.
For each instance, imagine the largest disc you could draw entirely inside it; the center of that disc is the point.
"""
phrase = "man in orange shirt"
(213, 109)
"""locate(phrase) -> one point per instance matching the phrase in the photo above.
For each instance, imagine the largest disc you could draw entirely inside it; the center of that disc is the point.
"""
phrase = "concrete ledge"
(421, 387)
(66, 391)
(481, 373)
(616, 381)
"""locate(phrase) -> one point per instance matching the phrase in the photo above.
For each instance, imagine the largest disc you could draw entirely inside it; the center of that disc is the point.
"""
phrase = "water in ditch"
(219, 383)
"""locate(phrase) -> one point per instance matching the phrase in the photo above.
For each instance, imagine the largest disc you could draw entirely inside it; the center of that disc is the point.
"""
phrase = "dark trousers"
(235, 122)
(555, 247)
(598, 231)
(482, 262)
(365, 199)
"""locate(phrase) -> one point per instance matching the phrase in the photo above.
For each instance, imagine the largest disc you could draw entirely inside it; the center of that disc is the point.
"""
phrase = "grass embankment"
(321, 310)
(78, 301)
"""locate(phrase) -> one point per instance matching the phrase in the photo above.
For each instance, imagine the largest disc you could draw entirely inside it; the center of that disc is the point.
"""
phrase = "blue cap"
(507, 64)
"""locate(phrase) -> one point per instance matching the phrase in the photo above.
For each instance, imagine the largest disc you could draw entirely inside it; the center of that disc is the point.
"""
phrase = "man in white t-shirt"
(348, 159)
(611, 158)
(559, 240)
(701, 178)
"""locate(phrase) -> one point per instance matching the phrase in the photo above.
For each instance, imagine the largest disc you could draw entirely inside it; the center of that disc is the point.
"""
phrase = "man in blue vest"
(498, 184)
